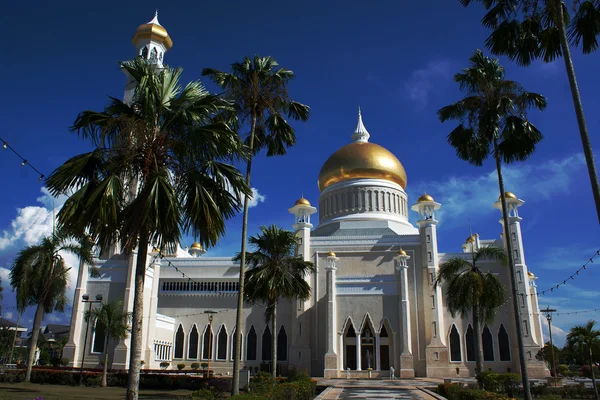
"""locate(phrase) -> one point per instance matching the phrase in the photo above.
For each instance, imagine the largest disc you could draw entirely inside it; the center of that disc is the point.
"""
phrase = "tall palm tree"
(113, 321)
(39, 276)
(275, 273)
(527, 30)
(259, 91)
(161, 167)
(471, 290)
(582, 339)
(493, 121)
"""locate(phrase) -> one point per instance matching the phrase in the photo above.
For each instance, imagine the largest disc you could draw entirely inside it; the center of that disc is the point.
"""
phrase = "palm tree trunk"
(274, 343)
(513, 281)
(583, 131)
(35, 334)
(135, 355)
(477, 334)
(235, 385)
(104, 370)
(593, 375)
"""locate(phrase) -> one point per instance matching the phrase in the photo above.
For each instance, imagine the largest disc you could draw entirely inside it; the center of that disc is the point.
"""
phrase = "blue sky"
(394, 59)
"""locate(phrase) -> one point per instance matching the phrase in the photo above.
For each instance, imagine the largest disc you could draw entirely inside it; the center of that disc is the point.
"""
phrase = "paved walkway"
(343, 389)
(361, 393)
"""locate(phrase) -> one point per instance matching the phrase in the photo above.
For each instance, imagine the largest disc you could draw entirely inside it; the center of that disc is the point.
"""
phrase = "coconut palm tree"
(260, 92)
(161, 167)
(274, 273)
(493, 121)
(582, 339)
(111, 320)
(528, 30)
(39, 276)
(469, 289)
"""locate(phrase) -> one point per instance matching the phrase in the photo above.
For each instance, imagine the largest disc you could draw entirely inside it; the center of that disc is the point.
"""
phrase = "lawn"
(30, 391)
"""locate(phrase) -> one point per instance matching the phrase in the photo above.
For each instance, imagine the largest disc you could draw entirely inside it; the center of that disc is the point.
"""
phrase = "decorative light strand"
(571, 277)
(24, 162)
(577, 312)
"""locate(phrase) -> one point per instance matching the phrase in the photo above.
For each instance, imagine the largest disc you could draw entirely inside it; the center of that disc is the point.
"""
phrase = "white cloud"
(256, 198)
(559, 335)
(529, 181)
(8, 315)
(561, 257)
(423, 81)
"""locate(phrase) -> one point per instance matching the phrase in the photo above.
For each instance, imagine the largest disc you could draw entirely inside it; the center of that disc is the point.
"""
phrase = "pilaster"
(121, 353)
(72, 349)
(406, 357)
(331, 358)
(149, 356)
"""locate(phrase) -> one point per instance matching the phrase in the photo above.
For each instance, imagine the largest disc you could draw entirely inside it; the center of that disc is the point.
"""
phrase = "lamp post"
(210, 335)
(86, 299)
(549, 312)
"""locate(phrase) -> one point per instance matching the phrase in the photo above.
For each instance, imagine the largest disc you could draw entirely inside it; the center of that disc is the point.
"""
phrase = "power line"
(24, 161)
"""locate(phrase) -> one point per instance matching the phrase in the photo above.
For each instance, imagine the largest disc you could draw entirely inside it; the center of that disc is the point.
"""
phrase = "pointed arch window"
(193, 343)
(251, 344)
(503, 344)
(179, 338)
(470, 339)
(282, 345)
(222, 344)
(455, 345)
(207, 344)
(145, 52)
(99, 337)
(266, 345)
(153, 55)
(488, 344)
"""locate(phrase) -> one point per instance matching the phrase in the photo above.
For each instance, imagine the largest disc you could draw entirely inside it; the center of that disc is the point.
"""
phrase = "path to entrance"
(346, 389)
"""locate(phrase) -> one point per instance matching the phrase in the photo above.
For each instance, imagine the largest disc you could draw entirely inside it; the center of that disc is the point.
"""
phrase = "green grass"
(29, 391)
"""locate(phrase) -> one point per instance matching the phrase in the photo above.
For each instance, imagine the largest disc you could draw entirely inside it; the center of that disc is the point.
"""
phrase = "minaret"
(300, 350)
(435, 331)
(331, 358)
(406, 357)
(526, 309)
(360, 133)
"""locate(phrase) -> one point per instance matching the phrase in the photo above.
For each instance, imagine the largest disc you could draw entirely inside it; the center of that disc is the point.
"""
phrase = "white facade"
(373, 307)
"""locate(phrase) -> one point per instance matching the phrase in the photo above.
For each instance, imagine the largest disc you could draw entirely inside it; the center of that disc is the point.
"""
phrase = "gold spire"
(153, 30)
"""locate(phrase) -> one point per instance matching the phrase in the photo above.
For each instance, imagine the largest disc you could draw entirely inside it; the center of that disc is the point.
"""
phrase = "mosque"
(374, 310)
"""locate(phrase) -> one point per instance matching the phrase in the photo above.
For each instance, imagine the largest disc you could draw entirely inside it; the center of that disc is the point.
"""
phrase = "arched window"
(455, 345)
(207, 344)
(193, 343)
(470, 339)
(282, 345)
(488, 344)
(153, 55)
(266, 344)
(145, 52)
(233, 345)
(503, 344)
(222, 344)
(251, 345)
(99, 337)
(179, 338)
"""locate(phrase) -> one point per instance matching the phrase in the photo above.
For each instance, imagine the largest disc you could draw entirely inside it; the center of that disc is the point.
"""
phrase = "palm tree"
(527, 30)
(582, 339)
(259, 91)
(161, 167)
(39, 276)
(275, 273)
(471, 290)
(493, 121)
(113, 321)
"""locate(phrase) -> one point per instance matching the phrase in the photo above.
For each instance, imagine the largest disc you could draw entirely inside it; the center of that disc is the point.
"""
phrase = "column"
(406, 357)
(150, 324)
(71, 349)
(358, 362)
(121, 353)
(331, 360)
(341, 351)
(377, 353)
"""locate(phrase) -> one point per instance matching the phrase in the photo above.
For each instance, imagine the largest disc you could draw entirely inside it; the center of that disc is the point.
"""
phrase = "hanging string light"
(24, 162)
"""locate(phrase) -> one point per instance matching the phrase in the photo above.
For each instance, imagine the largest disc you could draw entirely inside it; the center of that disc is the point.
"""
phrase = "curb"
(324, 393)
(432, 394)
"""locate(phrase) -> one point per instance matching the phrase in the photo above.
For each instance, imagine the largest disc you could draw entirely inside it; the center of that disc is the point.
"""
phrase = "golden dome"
(401, 252)
(196, 246)
(470, 239)
(302, 202)
(508, 195)
(153, 30)
(361, 160)
(331, 254)
(424, 197)
(529, 273)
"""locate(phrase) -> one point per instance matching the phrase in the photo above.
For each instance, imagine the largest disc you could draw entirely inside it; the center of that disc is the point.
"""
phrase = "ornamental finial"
(155, 19)
(360, 133)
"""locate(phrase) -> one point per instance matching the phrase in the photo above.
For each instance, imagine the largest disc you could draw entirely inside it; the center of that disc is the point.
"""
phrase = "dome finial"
(360, 133)
(155, 19)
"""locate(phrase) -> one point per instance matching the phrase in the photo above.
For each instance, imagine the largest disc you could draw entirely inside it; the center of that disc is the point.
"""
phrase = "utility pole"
(548, 311)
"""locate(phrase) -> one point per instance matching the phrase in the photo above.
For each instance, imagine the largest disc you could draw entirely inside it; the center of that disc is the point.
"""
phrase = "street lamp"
(86, 299)
(549, 312)
(210, 335)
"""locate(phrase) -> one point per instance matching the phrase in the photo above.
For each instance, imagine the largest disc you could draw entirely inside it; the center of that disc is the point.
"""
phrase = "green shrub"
(180, 366)
(203, 394)
(204, 365)
(64, 361)
(509, 383)
(165, 364)
(195, 366)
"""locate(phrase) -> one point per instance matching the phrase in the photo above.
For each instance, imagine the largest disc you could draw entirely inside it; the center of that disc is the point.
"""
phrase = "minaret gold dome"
(361, 160)
(331, 254)
(196, 246)
(153, 30)
(508, 195)
(302, 202)
(424, 197)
